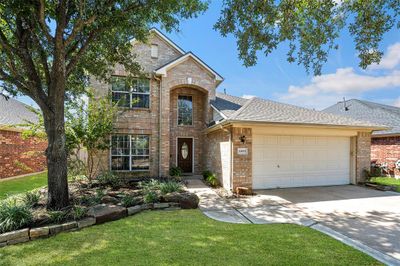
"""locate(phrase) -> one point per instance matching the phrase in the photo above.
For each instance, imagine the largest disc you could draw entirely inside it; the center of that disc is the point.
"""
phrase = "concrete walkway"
(267, 209)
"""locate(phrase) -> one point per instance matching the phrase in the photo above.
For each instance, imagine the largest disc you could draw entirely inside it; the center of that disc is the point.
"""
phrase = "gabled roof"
(370, 111)
(257, 110)
(14, 113)
(167, 40)
(164, 38)
(163, 69)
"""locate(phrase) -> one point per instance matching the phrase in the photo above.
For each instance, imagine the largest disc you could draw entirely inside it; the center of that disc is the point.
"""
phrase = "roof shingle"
(262, 110)
(14, 113)
(369, 111)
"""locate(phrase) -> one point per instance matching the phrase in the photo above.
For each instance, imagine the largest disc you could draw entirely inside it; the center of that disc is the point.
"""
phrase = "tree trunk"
(56, 160)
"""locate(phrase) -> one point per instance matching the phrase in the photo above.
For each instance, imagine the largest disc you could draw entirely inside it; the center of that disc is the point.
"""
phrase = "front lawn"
(387, 181)
(23, 184)
(185, 237)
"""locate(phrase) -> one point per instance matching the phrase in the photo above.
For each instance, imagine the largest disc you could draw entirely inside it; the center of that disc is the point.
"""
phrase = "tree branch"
(42, 22)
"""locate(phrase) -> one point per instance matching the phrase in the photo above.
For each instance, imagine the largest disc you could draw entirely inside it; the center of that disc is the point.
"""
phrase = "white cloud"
(391, 58)
(327, 89)
(248, 96)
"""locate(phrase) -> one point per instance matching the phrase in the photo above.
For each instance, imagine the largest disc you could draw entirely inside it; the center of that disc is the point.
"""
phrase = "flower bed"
(24, 217)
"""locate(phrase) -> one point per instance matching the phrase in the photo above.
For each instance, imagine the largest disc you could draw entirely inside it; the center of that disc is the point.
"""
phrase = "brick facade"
(186, 78)
(20, 156)
(363, 155)
(242, 165)
(386, 150)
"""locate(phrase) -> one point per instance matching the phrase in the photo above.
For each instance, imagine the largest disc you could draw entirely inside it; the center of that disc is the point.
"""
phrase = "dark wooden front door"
(185, 154)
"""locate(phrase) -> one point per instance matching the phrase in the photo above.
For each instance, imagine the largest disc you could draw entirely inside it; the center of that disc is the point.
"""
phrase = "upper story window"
(185, 110)
(133, 93)
(154, 51)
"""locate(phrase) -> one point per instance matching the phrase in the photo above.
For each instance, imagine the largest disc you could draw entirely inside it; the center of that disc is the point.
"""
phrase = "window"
(133, 93)
(130, 152)
(185, 110)
(154, 51)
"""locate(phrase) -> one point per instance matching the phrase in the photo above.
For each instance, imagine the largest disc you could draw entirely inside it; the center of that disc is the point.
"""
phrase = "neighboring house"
(18, 155)
(385, 144)
(180, 120)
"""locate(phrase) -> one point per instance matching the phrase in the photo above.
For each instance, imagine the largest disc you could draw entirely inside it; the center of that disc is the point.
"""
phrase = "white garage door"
(298, 161)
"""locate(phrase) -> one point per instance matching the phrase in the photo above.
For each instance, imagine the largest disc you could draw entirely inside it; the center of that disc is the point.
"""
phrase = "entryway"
(185, 154)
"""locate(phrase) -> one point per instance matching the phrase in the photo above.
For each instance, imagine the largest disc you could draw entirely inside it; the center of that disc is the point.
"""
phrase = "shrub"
(109, 179)
(31, 198)
(153, 184)
(213, 180)
(175, 171)
(170, 186)
(206, 174)
(150, 197)
(14, 216)
(128, 201)
(57, 216)
(78, 212)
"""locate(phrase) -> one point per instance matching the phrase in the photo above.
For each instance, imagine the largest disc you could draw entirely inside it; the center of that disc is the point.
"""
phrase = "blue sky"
(274, 78)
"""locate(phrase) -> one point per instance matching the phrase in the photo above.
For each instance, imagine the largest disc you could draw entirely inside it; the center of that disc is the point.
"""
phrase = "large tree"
(309, 27)
(49, 48)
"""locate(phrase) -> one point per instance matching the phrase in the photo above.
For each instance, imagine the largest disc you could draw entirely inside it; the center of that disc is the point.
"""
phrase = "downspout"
(159, 125)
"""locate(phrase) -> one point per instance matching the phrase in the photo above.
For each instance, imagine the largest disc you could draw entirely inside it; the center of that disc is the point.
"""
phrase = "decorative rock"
(104, 213)
(172, 209)
(86, 222)
(39, 232)
(3, 244)
(186, 200)
(55, 229)
(161, 205)
(18, 240)
(14, 235)
(109, 200)
(133, 210)
(148, 206)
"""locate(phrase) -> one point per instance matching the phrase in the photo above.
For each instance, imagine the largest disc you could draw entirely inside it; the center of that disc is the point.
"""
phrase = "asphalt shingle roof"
(262, 110)
(14, 113)
(370, 111)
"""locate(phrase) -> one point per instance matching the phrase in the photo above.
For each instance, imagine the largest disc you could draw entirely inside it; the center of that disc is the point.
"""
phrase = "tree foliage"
(49, 49)
(310, 28)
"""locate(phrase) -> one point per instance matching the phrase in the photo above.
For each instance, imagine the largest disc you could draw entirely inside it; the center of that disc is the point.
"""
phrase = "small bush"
(57, 216)
(31, 198)
(14, 216)
(175, 171)
(213, 180)
(150, 197)
(128, 201)
(169, 187)
(89, 200)
(109, 179)
(206, 174)
(78, 212)
(153, 184)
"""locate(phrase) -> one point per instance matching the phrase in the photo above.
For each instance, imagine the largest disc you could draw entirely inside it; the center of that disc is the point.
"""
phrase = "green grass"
(185, 237)
(388, 181)
(23, 184)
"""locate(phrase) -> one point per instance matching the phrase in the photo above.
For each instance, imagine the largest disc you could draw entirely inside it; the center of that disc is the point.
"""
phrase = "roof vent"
(345, 106)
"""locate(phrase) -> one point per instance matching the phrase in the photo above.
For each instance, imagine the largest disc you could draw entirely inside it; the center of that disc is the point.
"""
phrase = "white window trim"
(130, 92)
(130, 153)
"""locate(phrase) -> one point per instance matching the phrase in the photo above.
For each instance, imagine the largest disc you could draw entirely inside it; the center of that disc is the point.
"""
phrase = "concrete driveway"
(369, 216)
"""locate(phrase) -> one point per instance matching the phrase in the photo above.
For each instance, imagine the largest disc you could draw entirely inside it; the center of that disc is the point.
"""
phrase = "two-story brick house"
(175, 117)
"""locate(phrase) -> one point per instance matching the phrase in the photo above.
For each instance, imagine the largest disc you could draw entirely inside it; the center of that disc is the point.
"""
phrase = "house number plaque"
(242, 151)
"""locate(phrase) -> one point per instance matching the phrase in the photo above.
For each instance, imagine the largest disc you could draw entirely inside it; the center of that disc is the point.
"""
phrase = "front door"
(185, 154)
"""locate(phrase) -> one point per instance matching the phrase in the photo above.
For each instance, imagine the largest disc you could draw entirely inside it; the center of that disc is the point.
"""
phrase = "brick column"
(242, 164)
(363, 157)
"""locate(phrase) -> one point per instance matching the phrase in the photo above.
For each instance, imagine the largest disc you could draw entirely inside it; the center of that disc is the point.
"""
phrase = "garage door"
(298, 161)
